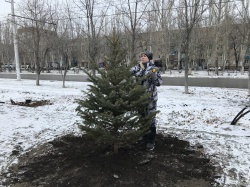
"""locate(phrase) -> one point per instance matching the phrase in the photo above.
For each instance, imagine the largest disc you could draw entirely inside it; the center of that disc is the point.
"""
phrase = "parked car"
(24, 67)
(8, 66)
(50, 67)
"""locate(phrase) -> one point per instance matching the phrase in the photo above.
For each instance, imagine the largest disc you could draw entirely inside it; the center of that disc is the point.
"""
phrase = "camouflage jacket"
(144, 70)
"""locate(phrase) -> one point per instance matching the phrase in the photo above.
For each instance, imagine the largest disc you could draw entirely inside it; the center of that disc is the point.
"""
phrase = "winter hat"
(148, 54)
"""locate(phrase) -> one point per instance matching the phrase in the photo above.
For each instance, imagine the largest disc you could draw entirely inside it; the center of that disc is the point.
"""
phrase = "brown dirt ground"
(77, 162)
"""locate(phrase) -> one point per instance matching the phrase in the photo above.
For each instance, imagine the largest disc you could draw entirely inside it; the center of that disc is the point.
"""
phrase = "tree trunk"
(249, 81)
(116, 147)
(38, 79)
(186, 73)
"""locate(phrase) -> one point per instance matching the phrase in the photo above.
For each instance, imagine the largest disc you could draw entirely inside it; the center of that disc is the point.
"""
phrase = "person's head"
(146, 56)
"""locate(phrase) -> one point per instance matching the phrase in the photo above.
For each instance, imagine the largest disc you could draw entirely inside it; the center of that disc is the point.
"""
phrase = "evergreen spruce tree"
(113, 106)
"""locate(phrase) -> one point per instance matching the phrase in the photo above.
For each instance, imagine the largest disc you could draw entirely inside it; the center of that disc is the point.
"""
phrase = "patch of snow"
(201, 117)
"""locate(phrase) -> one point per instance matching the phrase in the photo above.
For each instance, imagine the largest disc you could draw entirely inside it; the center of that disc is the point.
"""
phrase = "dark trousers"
(150, 137)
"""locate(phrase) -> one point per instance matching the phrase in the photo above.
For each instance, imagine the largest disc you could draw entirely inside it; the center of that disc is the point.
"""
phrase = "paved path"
(226, 82)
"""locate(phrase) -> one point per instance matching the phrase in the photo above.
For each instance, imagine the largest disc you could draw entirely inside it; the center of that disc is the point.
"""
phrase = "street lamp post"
(15, 42)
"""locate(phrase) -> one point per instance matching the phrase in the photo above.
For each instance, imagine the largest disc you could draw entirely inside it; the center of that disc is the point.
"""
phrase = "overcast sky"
(5, 8)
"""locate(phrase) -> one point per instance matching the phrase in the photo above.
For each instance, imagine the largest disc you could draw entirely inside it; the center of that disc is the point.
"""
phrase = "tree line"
(199, 32)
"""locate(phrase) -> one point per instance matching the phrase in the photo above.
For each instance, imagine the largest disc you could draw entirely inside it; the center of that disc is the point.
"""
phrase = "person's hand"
(153, 73)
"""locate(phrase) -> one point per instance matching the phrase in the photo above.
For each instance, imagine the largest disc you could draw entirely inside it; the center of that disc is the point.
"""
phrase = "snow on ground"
(201, 117)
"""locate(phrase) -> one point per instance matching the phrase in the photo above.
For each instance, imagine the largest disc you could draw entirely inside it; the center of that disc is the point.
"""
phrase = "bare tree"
(219, 18)
(161, 27)
(190, 12)
(37, 31)
(134, 21)
(246, 23)
(6, 46)
(66, 39)
(93, 18)
(235, 41)
(244, 31)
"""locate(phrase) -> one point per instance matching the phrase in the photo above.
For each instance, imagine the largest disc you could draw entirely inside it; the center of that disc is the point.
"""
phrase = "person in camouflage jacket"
(146, 68)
